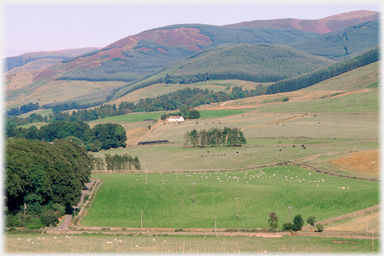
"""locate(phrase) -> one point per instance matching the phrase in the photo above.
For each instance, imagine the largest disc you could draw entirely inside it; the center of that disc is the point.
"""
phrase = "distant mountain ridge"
(49, 56)
(136, 58)
(319, 26)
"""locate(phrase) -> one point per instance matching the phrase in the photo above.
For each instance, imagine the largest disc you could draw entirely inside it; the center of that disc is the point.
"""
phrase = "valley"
(309, 141)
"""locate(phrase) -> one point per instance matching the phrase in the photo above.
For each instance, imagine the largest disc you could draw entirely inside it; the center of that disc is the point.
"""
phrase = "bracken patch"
(366, 162)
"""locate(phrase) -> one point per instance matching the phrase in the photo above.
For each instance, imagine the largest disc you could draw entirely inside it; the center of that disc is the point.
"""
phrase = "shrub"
(12, 220)
(298, 223)
(311, 220)
(59, 210)
(319, 227)
(285, 99)
(48, 217)
(287, 226)
(35, 224)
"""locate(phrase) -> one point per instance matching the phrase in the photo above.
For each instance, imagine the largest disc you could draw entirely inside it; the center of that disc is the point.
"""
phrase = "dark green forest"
(101, 136)
(46, 177)
(215, 137)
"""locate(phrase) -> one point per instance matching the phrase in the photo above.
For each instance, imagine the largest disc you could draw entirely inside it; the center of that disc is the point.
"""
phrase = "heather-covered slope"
(320, 26)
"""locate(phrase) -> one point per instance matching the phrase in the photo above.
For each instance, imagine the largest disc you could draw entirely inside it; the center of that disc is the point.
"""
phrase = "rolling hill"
(319, 26)
(119, 67)
(342, 44)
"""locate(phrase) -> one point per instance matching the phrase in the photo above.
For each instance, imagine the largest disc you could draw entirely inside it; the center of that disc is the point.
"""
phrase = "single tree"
(287, 226)
(319, 227)
(298, 223)
(311, 220)
(273, 220)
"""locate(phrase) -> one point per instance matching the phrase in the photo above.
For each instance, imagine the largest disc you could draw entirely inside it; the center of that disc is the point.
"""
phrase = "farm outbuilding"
(152, 142)
(175, 119)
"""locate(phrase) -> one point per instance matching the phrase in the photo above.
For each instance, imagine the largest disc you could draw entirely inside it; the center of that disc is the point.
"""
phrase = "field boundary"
(287, 162)
(80, 216)
(310, 167)
(343, 217)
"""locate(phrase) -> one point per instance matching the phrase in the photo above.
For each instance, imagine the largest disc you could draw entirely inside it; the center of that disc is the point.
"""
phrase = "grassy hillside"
(342, 44)
(360, 80)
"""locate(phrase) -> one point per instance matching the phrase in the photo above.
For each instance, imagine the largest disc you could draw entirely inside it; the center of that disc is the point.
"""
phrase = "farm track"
(147, 133)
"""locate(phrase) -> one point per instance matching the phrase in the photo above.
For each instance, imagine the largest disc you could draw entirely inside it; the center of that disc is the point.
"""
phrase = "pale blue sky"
(39, 26)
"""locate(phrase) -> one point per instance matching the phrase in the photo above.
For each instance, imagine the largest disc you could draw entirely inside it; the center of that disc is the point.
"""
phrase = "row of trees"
(101, 136)
(23, 109)
(42, 180)
(215, 137)
(297, 224)
(115, 163)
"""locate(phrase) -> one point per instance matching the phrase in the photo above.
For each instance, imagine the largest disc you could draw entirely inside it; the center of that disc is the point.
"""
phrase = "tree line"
(101, 136)
(42, 180)
(183, 98)
(23, 109)
(115, 163)
(297, 224)
(215, 137)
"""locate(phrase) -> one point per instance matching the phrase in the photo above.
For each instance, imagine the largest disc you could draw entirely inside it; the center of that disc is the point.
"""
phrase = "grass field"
(166, 200)
(367, 102)
(97, 243)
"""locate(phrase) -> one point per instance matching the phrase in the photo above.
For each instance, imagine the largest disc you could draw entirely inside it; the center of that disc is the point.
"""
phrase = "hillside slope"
(342, 44)
(320, 26)
(140, 55)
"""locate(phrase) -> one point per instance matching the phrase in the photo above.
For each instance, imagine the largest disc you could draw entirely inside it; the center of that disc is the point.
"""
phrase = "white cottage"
(175, 119)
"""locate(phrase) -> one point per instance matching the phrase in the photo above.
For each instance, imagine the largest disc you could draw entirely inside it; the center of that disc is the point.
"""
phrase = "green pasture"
(205, 114)
(38, 125)
(134, 117)
(97, 243)
(166, 200)
(42, 112)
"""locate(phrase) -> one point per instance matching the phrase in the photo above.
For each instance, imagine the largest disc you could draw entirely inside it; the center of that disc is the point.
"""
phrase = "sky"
(30, 26)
